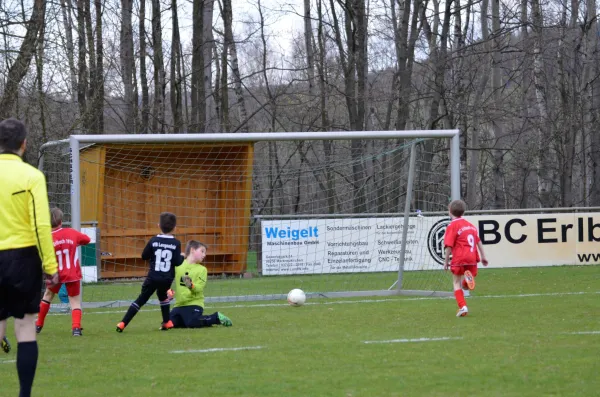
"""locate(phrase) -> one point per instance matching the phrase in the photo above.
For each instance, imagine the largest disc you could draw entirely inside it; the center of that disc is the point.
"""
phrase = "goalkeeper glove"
(187, 280)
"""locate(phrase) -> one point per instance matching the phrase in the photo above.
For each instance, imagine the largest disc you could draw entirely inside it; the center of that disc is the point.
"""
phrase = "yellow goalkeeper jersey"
(24, 210)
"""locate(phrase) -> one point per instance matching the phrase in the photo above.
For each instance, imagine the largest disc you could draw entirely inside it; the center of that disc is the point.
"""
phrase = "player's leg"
(165, 304)
(457, 272)
(27, 269)
(469, 276)
(74, 293)
(4, 314)
(45, 307)
(199, 320)
(4, 343)
(176, 318)
(148, 288)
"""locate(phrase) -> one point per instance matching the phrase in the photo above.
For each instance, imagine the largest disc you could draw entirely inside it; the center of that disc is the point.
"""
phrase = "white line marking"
(8, 361)
(218, 349)
(410, 340)
(344, 302)
(584, 333)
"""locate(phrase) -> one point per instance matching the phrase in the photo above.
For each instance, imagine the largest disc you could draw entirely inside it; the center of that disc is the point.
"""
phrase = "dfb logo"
(435, 240)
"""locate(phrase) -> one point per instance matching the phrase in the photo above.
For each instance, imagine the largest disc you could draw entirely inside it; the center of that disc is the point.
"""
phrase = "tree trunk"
(497, 124)
(143, 71)
(66, 7)
(127, 63)
(592, 111)
(91, 119)
(198, 119)
(19, 68)
(483, 79)
(207, 44)
(81, 64)
(158, 121)
(545, 155)
(176, 105)
(237, 77)
(310, 59)
(99, 103)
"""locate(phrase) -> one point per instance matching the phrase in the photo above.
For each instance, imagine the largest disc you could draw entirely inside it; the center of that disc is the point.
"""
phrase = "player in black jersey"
(164, 253)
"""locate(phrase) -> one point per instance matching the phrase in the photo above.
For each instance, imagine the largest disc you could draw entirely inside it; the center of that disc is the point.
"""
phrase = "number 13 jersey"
(462, 237)
(164, 253)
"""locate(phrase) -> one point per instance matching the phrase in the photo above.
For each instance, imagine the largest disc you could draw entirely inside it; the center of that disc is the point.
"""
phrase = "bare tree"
(198, 94)
(235, 69)
(158, 120)
(176, 95)
(19, 68)
(145, 110)
(127, 63)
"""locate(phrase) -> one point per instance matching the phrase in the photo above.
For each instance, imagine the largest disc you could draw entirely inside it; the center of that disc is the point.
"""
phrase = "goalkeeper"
(190, 280)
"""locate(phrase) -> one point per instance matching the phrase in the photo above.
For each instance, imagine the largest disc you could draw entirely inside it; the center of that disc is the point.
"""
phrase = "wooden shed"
(124, 188)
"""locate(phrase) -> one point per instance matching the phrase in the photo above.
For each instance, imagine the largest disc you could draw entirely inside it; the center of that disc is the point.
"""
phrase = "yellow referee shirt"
(24, 210)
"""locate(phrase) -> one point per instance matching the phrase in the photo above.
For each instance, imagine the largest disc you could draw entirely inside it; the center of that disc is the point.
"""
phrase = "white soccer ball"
(296, 297)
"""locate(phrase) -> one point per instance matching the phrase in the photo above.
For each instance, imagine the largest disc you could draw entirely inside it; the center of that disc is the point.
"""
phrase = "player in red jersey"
(462, 241)
(66, 241)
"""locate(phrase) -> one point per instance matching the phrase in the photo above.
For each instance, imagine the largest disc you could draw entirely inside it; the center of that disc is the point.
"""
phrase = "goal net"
(335, 214)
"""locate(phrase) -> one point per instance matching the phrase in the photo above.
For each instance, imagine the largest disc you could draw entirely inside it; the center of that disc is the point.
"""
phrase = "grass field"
(530, 332)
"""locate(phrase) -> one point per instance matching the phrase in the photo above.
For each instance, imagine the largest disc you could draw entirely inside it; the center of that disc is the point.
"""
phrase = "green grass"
(512, 346)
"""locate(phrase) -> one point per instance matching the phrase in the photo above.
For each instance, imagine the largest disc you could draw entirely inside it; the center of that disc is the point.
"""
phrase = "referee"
(26, 248)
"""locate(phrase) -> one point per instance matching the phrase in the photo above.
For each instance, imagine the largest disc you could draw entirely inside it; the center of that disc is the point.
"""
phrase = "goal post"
(358, 184)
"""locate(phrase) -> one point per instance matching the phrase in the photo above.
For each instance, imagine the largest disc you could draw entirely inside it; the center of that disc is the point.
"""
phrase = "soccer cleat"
(120, 326)
(462, 312)
(77, 332)
(224, 320)
(470, 279)
(5, 344)
(166, 326)
(38, 328)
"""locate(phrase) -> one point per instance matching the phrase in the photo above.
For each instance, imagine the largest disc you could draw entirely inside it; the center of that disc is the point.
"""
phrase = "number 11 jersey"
(164, 253)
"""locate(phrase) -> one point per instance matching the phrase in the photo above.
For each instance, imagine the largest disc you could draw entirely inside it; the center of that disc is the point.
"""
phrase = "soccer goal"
(337, 214)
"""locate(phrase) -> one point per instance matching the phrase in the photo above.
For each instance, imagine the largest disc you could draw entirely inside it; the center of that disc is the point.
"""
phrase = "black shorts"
(152, 285)
(20, 282)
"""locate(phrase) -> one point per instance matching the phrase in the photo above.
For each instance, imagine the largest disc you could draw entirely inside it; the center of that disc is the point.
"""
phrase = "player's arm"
(484, 260)
(82, 238)
(177, 256)
(447, 253)
(39, 213)
(200, 280)
(148, 251)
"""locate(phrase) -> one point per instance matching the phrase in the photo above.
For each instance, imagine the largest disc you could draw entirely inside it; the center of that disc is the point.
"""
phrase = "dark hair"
(167, 222)
(56, 217)
(193, 244)
(457, 207)
(12, 135)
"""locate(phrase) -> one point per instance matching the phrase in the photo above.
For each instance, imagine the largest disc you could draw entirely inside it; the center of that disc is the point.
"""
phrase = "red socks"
(76, 318)
(44, 308)
(460, 298)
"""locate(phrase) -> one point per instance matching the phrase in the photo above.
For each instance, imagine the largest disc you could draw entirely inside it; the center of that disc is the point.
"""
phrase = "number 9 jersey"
(462, 237)
(66, 241)
(164, 253)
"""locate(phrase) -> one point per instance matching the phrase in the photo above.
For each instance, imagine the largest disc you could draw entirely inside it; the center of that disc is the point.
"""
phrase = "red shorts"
(460, 270)
(73, 288)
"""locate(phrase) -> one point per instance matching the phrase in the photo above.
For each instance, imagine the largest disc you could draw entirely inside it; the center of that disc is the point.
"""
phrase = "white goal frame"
(75, 142)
